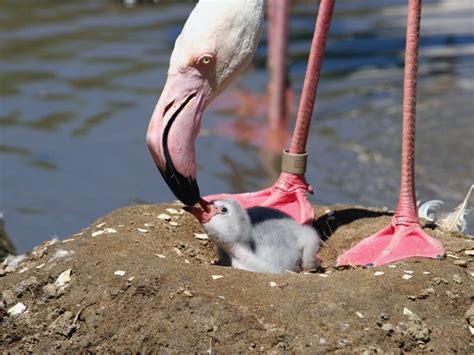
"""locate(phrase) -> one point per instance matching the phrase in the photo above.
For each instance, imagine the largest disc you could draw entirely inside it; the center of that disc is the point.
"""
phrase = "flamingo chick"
(260, 239)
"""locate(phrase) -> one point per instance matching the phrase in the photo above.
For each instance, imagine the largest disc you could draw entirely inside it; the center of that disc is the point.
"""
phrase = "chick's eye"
(223, 210)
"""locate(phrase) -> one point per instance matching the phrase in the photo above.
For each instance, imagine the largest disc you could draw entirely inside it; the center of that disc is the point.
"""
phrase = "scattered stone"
(64, 278)
(187, 261)
(457, 279)
(177, 251)
(360, 315)
(188, 293)
(17, 309)
(96, 234)
(164, 217)
(461, 262)
(453, 295)
(51, 291)
(64, 325)
(172, 211)
(426, 273)
(323, 275)
(160, 256)
(379, 273)
(411, 272)
(392, 266)
(407, 277)
(469, 315)
(469, 252)
(130, 279)
(9, 297)
(110, 230)
(27, 284)
(438, 280)
(141, 230)
(322, 341)
(407, 312)
(173, 223)
(119, 273)
(68, 240)
(148, 225)
(217, 277)
(415, 328)
(38, 252)
(273, 284)
(40, 266)
(100, 225)
(387, 328)
(452, 256)
(201, 236)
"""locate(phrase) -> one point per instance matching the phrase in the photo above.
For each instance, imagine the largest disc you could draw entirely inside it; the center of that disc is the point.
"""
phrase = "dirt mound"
(133, 281)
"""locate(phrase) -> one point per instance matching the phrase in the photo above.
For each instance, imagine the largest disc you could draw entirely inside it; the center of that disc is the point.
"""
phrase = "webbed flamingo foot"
(392, 243)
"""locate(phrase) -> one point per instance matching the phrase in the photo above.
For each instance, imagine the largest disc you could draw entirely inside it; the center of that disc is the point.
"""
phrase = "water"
(80, 79)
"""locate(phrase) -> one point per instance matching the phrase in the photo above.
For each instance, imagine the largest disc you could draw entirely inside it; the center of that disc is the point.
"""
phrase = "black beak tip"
(185, 189)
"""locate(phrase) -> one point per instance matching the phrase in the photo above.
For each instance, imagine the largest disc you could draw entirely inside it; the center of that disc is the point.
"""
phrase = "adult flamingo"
(205, 60)
(404, 237)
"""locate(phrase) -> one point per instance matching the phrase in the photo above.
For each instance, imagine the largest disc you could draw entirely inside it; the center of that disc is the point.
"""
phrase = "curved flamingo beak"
(173, 129)
(204, 214)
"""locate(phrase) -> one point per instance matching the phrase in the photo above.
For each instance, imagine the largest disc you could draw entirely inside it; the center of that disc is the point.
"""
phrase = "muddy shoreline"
(133, 281)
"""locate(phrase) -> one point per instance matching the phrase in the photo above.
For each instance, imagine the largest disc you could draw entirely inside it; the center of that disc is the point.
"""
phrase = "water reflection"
(79, 81)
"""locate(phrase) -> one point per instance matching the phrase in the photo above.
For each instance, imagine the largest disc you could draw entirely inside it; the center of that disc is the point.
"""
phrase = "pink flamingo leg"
(404, 237)
(289, 193)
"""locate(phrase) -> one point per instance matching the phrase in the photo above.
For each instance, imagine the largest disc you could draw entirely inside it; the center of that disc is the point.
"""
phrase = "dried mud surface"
(169, 301)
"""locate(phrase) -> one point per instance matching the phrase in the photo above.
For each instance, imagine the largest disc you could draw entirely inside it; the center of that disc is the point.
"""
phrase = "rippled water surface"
(80, 79)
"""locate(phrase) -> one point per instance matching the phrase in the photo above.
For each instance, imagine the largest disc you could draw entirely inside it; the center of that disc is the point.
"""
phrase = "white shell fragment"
(426, 272)
(360, 315)
(379, 273)
(164, 217)
(452, 256)
(95, 234)
(39, 266)
(172, 211)
(407, 312)
(119, 273)
(201, 236)
(109, 230)
(19, 308)
(173, 223)
(100, 225)
(323, 275)
(469, 252)
(64, 278)
(187, 261)
(407, 277)
(160, 256)
(217, 277)
(141, 230)
(273, 284)
(392, 266)
(408, 272)
(68, 240)
(471, 329)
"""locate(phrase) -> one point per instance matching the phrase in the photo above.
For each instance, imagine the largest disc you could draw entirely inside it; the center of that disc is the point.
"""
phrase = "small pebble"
(119, 273)
(273, 284)
(172, 211)
(457, 279)
(164, 217)
(142, 230)
(407, 277)
(408, 272)
(68, 240)
(217, 277)
(379, 273)
(221, 297)
(160, 256)
(469, 252)
(173, 223)
(322, 341)
(188, 293)
(426, 273)
(130, 279)
(462, 263)
(392, 266)
(109, 230)
(100, 225)
(452, 256)
(360, 315)
(387, 328)
(187, 261)
(323, 275)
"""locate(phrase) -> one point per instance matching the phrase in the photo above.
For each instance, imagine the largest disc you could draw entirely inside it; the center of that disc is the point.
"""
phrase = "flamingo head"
(216, 44)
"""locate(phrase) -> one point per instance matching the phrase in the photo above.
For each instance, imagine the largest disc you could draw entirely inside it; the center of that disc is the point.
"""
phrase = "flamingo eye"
(205, 59)
(224, 210)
